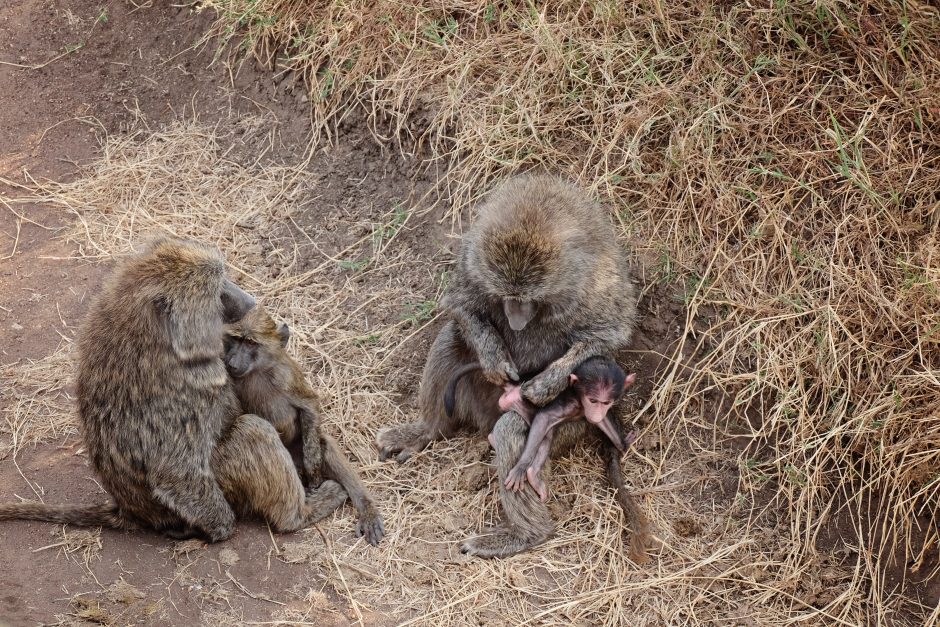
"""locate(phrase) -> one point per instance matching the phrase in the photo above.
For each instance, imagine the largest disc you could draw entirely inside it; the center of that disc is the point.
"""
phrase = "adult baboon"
(541, 284)
(158, 413)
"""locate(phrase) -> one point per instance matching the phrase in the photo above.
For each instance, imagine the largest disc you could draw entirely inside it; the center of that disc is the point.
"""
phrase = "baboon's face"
(599, 384)
(241, 355)
(254, 342)
(183, 283)
(519, 312)
(596, 399)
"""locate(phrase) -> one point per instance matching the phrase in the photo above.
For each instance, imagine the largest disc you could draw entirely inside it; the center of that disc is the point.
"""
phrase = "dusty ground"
(358, 248)
(132, 66)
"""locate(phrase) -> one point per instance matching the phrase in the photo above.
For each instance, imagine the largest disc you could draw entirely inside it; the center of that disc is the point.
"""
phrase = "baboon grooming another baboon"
(270, 383)
(158, 413)
(541, 284)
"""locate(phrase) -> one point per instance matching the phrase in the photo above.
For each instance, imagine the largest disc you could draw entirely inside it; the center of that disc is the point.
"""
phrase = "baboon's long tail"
(98, 515)
(450, 392)
(337, 467)
(640, 526)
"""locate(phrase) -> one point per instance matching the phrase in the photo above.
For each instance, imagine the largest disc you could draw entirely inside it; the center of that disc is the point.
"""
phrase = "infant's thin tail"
(641, 539)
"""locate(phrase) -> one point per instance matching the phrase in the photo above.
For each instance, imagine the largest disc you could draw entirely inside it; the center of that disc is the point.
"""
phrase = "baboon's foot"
(501, 541)
(323, 501)
(535, 480)
(370, 526)
(402, 441)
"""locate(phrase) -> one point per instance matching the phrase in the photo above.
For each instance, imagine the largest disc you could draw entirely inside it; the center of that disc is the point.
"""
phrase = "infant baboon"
(541, 284)
(159, 416)
(270, 383)
(596, 384)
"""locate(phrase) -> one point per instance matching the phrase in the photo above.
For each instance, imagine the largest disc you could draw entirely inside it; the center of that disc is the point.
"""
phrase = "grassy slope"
(780, 160)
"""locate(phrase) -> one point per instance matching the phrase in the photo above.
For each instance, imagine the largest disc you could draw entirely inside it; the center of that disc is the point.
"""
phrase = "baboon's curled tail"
(337, 467)
(98, 515)
(640, 539)
(450, 392)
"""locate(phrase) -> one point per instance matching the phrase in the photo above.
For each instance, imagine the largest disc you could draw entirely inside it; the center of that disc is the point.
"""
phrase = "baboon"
(159, 415)
(596, 385)
(541, 284)
(270, 383)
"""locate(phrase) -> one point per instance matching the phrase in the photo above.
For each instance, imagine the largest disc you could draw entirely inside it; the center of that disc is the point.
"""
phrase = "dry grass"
(716, 564)
(781, 159)
(35, 404)
(780, 162)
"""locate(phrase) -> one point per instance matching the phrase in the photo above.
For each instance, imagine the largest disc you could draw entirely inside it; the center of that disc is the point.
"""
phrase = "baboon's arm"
(549, 383)
(543, 424)
(481, 336)
(313, 450)
(370, 524)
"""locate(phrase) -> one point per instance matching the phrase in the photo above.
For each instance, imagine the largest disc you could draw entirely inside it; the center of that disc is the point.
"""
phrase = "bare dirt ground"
(355, 260)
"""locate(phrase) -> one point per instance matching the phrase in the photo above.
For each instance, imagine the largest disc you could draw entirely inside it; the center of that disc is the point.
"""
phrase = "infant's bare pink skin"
(589, 399)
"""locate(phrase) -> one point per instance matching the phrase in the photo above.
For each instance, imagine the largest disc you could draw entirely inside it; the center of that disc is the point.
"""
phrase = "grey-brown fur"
(270, 383)
(541, 257)
(159, 417)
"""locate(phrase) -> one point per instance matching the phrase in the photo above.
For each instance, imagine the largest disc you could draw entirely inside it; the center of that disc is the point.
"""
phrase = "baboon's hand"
(543, 388)
(500, 369)
(314, 478)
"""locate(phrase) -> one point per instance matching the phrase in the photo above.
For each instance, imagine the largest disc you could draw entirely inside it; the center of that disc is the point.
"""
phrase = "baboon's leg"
(336, 465)
(313, 452)
(258, 476)
(526, 521)
(198, 501)
(476, 400)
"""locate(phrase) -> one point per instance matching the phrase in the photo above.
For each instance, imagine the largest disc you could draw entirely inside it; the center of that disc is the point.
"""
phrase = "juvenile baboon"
(158, 413)
(541, 284)
(270, 383)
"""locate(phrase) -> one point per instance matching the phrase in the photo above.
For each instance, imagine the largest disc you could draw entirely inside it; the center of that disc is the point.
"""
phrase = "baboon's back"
(146, 416)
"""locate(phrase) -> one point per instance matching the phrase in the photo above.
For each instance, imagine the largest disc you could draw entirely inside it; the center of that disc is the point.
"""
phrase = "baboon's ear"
(195, 330)
(283, 332)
